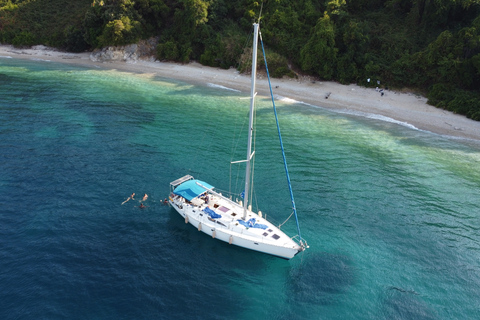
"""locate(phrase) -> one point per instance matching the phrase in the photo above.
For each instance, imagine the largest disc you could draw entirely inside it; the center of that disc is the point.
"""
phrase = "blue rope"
(281, 142)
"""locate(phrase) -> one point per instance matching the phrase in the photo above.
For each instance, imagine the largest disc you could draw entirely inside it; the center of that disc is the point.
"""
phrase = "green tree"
(154, 15)
(168, 51)
(188, 31)
(112, 22)
(319, 54)
(353, 45)
(119, 32)
(24, 38)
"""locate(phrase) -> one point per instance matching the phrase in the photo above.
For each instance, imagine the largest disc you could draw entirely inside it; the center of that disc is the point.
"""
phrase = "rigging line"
(245, 45)
(237, 133)
(252, 184)
(238, 130)
(234, 188)
(237, 183)
(281, 142)
(235, 143)
(218, 190)
(260, 14)
(197, 155)
(230, 184)
(281, 224)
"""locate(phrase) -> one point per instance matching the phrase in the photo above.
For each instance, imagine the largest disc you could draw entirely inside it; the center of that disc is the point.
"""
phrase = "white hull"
(227, 228)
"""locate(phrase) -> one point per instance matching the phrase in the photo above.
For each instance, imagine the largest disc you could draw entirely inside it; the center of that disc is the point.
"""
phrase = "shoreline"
(405, 108)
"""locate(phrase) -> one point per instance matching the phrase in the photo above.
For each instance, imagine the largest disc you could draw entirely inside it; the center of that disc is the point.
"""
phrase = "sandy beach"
(407, 108)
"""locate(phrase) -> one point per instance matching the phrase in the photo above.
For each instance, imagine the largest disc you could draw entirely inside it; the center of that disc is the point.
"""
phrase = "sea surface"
(391, 213)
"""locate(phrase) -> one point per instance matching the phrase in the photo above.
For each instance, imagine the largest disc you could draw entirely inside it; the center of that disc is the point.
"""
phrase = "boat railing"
(181, 180)
(217, 194)
(301, 242)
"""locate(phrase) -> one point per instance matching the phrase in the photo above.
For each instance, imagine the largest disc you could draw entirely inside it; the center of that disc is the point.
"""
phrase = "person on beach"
(129, 198)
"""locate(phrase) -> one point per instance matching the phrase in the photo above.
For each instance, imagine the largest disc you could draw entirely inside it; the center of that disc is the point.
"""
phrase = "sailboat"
(231, 221)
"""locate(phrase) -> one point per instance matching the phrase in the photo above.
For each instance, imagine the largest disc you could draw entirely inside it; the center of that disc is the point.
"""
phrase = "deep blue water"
(390, 213)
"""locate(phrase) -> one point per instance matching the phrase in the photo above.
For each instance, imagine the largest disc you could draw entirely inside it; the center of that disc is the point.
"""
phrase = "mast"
(250, 121)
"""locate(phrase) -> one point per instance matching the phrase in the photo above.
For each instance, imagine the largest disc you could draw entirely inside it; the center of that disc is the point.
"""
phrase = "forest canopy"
(432, 46)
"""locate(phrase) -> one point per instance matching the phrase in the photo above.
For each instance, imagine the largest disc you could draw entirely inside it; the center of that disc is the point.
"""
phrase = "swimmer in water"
(145, 197)
(142, 206)
(129, 198)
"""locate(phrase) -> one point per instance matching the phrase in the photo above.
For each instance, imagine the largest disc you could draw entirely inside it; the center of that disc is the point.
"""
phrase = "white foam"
(6, 57)
(378, 117)
(286, 100)
(36, 59)
(391, 120)
(221, 87)
(352, 112)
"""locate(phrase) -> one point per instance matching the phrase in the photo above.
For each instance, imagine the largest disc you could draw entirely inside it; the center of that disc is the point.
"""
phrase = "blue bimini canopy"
(190, 189)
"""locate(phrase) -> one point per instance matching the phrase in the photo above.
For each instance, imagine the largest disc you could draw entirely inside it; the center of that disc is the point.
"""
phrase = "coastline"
(406, 108)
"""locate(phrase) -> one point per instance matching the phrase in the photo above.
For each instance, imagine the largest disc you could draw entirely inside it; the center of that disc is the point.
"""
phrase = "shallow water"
(390, 213)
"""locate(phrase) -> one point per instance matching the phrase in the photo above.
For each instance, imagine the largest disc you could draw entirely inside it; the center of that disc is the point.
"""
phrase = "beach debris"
(327, 95)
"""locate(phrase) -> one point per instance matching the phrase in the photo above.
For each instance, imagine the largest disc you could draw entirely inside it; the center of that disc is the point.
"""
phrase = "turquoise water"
(390, 213)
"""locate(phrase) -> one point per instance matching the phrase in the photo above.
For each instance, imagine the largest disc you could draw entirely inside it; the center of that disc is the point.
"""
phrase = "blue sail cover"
(212, 213)
(252, 224)
(190, 189)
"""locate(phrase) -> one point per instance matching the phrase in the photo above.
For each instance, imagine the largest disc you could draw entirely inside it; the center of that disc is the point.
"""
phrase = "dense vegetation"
(429, 45)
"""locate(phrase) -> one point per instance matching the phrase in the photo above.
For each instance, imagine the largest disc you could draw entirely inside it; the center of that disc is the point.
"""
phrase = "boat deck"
(230, 216)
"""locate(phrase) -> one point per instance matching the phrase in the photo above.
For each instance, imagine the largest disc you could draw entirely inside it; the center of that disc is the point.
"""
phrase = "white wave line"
(37, 59)
(352, 112)
(221, 87)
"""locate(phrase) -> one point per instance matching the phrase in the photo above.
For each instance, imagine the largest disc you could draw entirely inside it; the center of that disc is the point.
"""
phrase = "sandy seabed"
(407, 108)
